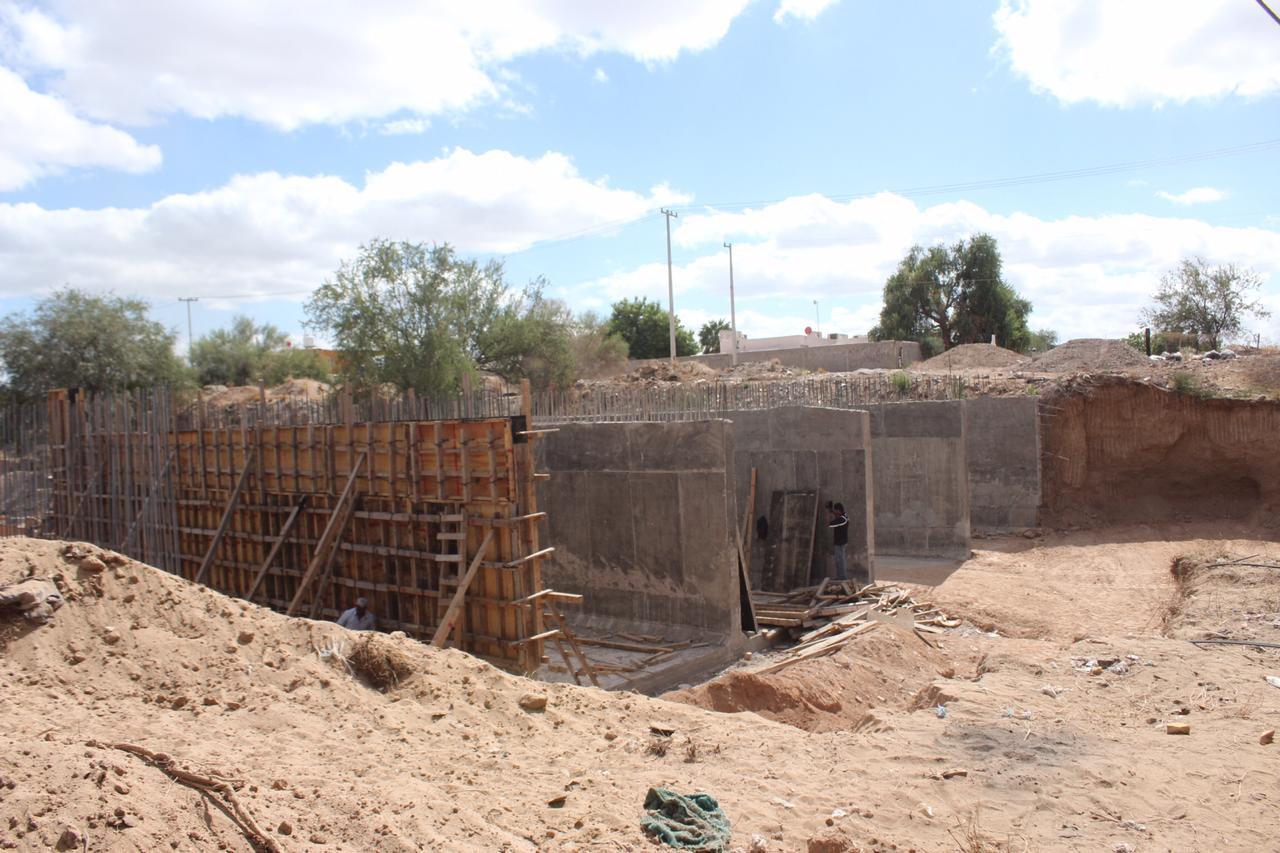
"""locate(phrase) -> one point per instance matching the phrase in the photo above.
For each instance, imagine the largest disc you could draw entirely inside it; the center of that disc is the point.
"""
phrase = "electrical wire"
(1269, 11)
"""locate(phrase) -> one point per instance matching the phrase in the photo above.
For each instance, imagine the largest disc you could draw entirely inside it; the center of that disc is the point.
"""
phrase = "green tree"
(1043, 340)
(956, 294)
(417, 316)
(709, 335)
(76, 340)
(247, 353)
(595, 350)
(1210, 302)
(531, 338)
(643, 324)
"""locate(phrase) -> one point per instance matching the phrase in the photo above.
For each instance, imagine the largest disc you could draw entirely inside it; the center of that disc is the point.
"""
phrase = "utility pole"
(671, 291)
(817, 321)
(189, 300)
(733, 314)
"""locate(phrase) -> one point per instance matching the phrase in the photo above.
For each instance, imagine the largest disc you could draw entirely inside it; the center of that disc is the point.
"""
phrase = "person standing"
(358, 618)
(838, 523)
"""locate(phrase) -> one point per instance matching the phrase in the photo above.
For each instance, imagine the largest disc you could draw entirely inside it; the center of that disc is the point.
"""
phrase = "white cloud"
(292, 62)
(404, 127)
(1195, 195)
(804, 10)
(1086, 276)
(600, 76)
(268, 234)
(1140, 51)
(39, 136)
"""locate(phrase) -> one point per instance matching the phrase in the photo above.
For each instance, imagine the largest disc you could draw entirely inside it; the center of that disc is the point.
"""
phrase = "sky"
(238, 152)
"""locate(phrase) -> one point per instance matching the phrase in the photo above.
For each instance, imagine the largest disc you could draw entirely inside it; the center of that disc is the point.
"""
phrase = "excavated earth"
(1057, 693)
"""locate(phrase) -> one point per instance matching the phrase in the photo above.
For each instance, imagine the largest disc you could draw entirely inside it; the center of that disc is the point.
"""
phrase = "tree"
(595, 350)
(643, 324)
(420, 317)
(77, 340)
(709, 335)
(531, 338)
(1042, 340)
(247, 353)
(1210, 302)
(956, 294)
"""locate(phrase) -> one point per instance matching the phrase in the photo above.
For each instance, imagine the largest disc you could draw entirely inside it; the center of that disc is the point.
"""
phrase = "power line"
(1267, 9)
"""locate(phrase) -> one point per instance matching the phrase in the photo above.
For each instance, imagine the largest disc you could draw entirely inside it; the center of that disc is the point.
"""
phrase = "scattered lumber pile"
(824, 618)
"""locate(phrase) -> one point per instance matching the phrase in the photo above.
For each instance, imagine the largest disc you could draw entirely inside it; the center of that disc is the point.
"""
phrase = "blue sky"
(237, 152)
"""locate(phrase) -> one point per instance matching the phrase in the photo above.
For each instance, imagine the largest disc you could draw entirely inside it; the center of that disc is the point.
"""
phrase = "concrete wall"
(833, 358)
(641, 516)
(1002, 445)
(921, 479)
(800, 447)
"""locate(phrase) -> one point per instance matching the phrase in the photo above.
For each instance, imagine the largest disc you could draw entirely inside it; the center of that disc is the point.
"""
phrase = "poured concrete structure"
(808, 448)
(1002, 450)
(641, 516)
(921, 479)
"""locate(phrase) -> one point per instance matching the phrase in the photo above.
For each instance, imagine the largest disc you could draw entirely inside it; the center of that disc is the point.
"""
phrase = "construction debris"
(835, 612)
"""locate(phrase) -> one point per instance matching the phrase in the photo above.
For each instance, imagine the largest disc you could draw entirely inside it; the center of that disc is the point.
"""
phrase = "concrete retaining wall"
(835, 358)
(801, 447)
(641, 516)
(921, 479)
(1002, 446)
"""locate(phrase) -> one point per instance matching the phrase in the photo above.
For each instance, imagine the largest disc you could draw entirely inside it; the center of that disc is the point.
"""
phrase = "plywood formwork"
(308, 517)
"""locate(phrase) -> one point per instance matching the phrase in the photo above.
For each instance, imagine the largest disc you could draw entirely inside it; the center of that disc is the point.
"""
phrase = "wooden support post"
(226, 518)
(327, 546)
(294, 515)
(460, 594)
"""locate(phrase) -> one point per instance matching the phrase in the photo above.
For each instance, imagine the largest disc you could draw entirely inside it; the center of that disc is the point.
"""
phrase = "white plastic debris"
(941, 710)
(1273, 680)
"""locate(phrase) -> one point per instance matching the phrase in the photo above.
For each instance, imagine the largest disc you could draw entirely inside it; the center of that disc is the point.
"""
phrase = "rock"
(317, 838)
(834, 841)
(92, 565)
(244, 638)
(1267, 737)
(212, 700)
(70, 839)
(285, 828)
(121, 788)
(110, 636)
(1177, 729)
(113, 559)
(557, 802)
(532, 702)
(758, 844)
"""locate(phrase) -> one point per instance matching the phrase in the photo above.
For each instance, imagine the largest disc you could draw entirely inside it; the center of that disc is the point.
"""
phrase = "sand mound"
(970, 356)
(310, 389)
(1087, 354)
(885, 668)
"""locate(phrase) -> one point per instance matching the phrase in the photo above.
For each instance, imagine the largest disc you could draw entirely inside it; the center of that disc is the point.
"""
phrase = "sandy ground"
(1055, 758)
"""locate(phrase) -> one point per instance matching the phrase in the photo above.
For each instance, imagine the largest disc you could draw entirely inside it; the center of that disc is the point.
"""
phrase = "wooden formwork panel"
(211, 504)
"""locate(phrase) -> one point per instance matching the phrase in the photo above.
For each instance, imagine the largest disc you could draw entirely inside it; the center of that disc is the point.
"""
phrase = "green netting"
(693, 822)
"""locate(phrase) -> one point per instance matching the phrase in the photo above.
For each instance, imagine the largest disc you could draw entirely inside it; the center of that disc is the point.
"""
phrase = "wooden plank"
(226, 519)
(563, 625)
(289, 523)
(460, 594)
(323, 557)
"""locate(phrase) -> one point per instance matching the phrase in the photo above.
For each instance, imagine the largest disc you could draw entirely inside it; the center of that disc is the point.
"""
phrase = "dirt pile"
(889, 668)
(243, 395)
(1034, 748)
(1089, 355)
(1227, 596)
(971, 357)
(656, 372)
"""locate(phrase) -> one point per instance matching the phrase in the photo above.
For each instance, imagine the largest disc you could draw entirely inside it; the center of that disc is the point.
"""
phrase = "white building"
(813, 339)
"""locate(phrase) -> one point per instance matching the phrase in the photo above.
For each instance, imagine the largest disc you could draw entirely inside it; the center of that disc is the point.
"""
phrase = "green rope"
(693, 822)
